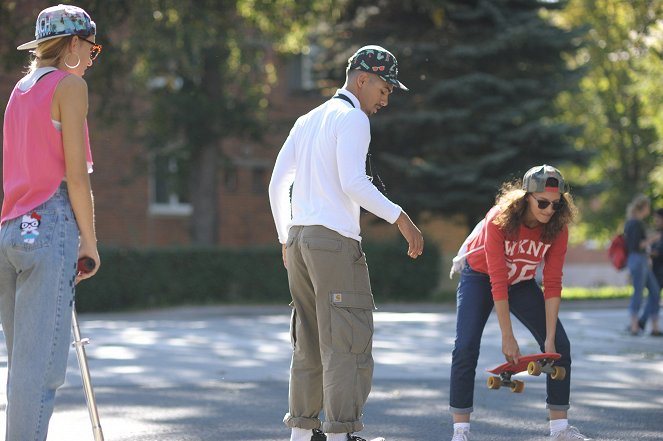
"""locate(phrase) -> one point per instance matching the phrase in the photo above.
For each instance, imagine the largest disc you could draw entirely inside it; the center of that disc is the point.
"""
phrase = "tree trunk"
(204, 196)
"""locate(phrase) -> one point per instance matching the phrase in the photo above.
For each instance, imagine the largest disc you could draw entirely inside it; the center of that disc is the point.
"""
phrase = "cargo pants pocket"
(293, 326)
(351, 321)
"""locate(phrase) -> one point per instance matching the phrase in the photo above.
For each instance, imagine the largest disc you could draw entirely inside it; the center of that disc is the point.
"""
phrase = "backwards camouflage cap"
(536, 177)
(379, 61)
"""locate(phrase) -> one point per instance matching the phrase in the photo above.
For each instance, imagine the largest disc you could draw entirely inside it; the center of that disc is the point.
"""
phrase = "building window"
(169, 186)
(258, 180)
(230, 179)
(301, 77)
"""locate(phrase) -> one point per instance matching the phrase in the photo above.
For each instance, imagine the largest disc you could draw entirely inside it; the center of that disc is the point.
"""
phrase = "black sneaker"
(356, 438)
(318, 435)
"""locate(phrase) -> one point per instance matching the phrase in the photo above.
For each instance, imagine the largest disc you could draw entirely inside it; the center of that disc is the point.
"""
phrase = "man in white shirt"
(324, 160)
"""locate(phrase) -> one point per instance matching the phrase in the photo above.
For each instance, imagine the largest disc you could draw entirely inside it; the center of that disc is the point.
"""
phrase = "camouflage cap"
(60, 21)
(379, 61)
(536, 177)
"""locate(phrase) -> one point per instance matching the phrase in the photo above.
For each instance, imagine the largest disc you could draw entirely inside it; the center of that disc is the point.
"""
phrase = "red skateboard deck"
(534, 364)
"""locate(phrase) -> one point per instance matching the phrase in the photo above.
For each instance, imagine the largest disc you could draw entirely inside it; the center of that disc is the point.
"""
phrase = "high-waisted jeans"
(474, 305)
(38, 253)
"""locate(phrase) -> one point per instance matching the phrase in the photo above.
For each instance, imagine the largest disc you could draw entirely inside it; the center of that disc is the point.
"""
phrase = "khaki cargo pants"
(331, 330)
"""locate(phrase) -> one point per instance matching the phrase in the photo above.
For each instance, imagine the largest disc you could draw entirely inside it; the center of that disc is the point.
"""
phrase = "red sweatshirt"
(511, 261)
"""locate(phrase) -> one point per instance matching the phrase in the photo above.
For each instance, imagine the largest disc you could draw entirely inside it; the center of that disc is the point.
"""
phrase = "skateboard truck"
(504, 379)
(546, 366)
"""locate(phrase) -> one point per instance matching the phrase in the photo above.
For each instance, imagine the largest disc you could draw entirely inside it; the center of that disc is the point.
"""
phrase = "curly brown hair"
(512, 200)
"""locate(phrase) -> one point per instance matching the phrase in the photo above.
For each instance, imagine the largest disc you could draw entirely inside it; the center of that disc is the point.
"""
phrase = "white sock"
(557, 426)
(298, 434)
(465, 427)
(337, 436)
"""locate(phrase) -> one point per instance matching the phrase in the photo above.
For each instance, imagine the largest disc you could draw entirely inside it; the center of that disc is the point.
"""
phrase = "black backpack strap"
(381, 186)
(344, 98)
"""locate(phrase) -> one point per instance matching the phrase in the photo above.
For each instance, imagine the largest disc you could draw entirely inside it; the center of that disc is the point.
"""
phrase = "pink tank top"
(32, 151)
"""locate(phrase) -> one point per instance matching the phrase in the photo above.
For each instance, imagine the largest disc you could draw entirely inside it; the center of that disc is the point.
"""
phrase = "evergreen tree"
(483, 78)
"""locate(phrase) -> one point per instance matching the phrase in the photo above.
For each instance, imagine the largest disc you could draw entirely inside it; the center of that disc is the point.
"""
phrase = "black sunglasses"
(95, 50)
(543, 204)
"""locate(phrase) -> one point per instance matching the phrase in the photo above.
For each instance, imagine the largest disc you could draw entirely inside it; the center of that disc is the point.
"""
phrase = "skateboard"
(534, 364)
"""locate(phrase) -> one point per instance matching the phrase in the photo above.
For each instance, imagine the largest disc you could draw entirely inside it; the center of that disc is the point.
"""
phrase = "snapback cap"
(379, 61)
(536, 177)
(60, 21)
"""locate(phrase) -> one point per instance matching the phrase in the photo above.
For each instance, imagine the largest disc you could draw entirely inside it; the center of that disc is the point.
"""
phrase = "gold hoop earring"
(75, 65)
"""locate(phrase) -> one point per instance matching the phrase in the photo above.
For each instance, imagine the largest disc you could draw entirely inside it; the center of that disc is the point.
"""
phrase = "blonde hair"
(49, 53)
(637, 205)
(512, 200)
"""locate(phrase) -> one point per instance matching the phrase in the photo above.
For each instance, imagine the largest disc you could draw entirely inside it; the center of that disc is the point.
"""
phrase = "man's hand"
(285, 263)
(411, 234)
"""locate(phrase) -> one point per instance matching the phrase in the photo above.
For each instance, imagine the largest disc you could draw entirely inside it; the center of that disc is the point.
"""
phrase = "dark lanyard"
(382, 187)
(344, 98)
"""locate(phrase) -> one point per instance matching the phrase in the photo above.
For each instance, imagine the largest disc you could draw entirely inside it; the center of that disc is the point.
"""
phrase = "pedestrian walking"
(527, 226)
(638, 261)
(47, 219)
(324, 159)
(657, 247)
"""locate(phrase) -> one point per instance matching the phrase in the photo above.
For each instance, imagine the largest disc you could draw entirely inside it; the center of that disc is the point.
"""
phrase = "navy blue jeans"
(474, 305)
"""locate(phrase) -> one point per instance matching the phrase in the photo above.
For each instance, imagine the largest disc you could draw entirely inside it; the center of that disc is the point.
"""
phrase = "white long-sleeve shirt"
(324, 160)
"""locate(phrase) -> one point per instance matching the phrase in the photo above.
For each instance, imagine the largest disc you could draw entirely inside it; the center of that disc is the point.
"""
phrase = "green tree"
(618, 103)
(208, 66)
(483, 77)
(186, 75)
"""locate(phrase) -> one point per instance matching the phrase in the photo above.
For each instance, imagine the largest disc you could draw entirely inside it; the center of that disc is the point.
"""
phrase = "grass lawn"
(603, 293)
(568, 293)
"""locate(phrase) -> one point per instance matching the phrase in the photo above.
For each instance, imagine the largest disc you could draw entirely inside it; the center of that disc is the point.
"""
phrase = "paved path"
(220, 374)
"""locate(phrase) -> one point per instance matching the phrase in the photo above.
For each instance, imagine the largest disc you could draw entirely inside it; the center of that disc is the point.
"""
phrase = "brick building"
(135, 208)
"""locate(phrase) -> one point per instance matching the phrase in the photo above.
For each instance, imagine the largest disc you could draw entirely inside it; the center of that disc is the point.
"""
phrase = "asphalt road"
(220, 374)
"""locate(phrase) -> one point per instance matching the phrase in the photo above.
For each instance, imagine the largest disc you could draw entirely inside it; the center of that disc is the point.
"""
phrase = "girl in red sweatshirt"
(527, 227)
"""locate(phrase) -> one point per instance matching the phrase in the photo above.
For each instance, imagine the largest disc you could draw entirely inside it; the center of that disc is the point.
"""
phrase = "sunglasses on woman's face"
(543, 204)
(95, 50)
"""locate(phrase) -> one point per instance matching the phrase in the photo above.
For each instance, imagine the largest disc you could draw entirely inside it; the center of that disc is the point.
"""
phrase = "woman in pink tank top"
(47, 219)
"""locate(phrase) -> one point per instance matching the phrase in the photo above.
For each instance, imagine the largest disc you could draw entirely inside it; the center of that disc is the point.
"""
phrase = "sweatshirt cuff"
(500, 296)
(551, 293)
(393, 217)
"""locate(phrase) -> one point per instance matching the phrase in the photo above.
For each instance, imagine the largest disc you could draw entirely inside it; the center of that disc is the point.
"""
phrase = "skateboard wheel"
(494, 382)
(534, 368)
(559, 373)
(517, 386)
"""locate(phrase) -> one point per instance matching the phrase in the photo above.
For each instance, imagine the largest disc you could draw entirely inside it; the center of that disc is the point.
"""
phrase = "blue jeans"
(474, 305)
(38, 253)
(642, 275)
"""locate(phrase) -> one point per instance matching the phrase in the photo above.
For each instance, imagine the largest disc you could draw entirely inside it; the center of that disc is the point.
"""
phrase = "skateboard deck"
(534, 364)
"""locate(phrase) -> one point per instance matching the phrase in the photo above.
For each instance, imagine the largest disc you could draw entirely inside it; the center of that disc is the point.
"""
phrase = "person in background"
(638, 262)
(324, 160)
(527, 226)
(657, 248)
(47, 219)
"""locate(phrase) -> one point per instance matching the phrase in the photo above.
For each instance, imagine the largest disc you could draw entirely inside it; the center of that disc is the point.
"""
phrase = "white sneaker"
(570, 434)
(461, 435)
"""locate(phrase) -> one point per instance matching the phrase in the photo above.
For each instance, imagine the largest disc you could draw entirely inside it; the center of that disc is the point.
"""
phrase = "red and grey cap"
(379, 61)
(536, 180)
